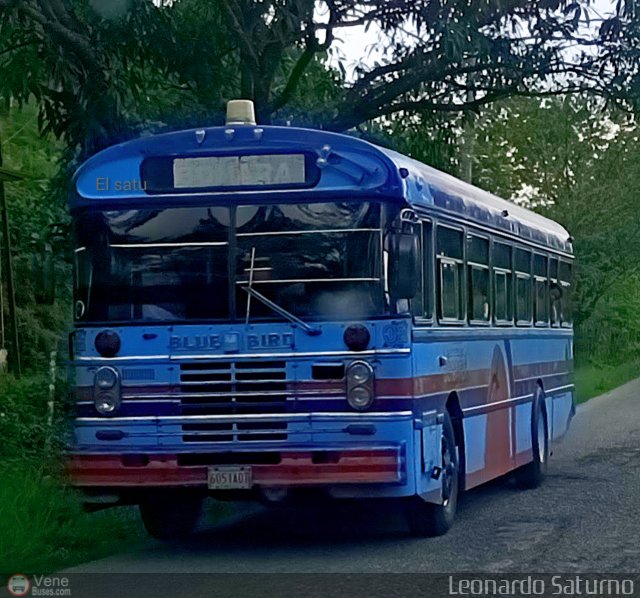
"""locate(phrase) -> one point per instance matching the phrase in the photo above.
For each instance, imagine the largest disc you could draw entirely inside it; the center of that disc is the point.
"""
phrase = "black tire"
(171, 515)
(428, 519)
(532, 474)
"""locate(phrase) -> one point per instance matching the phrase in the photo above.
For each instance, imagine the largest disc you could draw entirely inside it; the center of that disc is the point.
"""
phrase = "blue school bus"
(277, 313)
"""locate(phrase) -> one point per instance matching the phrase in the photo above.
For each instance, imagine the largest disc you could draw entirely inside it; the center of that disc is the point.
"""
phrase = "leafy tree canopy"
(103, 69)
(577, 162)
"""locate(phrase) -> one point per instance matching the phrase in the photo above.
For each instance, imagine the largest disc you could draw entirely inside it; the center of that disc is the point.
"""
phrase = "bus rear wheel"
(171, 515)
(532, 474)
(428, 519)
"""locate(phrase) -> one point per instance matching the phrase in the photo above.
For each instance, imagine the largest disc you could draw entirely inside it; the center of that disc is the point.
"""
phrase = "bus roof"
(335, 165)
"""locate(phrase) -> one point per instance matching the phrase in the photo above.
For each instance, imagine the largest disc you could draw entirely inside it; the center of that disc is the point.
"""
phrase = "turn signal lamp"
(357, 337)
(108, 343)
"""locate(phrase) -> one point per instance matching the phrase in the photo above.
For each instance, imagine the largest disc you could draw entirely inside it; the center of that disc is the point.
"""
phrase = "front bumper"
(317, 467)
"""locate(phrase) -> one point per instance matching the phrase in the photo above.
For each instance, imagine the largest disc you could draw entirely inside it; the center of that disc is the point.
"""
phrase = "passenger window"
(522, 264)
(478, 278)
(566, 318)
(503, 283)
(541, 290)
(450, 274)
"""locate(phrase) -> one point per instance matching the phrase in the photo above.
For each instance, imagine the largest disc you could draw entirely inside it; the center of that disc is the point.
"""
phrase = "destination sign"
(239, 171)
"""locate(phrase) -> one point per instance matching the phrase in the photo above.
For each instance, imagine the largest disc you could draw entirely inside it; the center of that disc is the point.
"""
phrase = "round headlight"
(106, 378)
(359, 373)
(360, 398)
(107, 403)
(108, 343)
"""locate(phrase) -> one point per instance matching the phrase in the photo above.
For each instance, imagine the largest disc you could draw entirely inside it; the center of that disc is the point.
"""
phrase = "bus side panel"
(468, 370)
(543, 362)
(497, 438)
(475, 441)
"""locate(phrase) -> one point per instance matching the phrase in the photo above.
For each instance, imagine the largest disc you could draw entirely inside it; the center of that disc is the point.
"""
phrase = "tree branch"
(245, 41)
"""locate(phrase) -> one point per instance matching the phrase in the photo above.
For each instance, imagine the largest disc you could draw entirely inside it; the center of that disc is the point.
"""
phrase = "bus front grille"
(238, 389)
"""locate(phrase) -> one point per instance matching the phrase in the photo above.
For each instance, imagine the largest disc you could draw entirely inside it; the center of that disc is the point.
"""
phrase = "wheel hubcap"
(448, 472)
(541, 439)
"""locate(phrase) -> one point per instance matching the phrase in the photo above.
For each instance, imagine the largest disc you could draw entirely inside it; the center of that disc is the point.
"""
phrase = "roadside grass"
(593, 379)
(43, 527)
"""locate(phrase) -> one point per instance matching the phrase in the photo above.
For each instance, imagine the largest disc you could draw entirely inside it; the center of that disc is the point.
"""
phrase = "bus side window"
(503, 284)
(450, 275)
(478, 279)
(417, 303)
(423, 303)
(555, 292)
(541, 290)
(566, 319)
(522, 264)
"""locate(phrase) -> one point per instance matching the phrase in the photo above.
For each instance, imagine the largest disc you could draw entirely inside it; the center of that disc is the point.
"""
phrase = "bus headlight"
(360, 385)
(359, 372)
(107, 403)
(106, 391)
(106, 378)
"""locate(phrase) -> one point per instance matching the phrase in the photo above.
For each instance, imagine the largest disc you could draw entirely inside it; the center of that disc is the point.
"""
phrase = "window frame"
(564, 285)
(462, 281)
(509, 275)
(545, 279)
(427, 274)
(528, 276)
(554, 264)
(469, 266)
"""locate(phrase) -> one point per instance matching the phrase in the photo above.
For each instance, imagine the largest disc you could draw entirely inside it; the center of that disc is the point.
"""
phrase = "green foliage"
(577, 162)
(594, 379)
(102, 71)
(39, 230)
(43, 527)
(24, 417)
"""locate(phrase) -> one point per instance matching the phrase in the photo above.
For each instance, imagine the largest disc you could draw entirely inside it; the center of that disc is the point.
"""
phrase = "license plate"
(231, 477)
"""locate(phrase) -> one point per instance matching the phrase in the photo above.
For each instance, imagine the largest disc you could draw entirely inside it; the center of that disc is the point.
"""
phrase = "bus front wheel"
(171, 515)
(428, 519)
(532, 474)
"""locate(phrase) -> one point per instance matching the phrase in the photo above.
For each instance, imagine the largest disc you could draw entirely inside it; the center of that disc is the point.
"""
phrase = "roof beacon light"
(240, 112)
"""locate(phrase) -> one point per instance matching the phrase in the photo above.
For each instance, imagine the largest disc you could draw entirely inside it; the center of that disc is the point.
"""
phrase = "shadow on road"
(327, 523)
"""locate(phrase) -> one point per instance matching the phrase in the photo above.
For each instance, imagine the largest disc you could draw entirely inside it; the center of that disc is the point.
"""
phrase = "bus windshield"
(317, 261)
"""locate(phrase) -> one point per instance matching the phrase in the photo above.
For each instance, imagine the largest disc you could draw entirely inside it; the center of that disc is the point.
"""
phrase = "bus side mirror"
(404, 255)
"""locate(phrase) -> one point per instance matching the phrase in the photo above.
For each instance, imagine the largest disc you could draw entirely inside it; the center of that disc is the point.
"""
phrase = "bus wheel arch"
(533, 473)
(430, 518)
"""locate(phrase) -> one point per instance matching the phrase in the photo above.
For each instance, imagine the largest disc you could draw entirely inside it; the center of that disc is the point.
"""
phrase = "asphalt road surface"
(584, 518)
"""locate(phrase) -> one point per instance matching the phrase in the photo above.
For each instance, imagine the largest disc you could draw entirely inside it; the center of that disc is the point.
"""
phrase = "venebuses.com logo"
(38, 585)
(18, 585)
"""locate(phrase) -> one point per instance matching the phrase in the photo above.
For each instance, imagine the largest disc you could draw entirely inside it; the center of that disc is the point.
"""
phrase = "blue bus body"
(261, 393)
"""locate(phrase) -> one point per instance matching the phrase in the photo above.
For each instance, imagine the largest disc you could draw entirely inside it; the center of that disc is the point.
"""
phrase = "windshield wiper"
(310, 330)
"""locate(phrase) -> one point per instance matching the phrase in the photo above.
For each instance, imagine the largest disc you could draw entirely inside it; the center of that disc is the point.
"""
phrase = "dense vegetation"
(550, 128)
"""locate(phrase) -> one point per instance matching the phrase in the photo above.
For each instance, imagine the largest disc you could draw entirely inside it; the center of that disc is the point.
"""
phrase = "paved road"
(585, 518)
